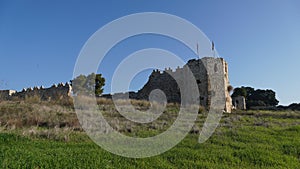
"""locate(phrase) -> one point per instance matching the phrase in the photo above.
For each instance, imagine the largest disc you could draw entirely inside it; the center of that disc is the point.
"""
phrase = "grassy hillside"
(47, 135)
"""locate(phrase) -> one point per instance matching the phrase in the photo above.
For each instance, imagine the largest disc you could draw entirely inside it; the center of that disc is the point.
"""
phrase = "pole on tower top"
(197, 49)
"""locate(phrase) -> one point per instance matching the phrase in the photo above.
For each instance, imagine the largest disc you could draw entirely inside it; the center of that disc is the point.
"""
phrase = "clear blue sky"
(40, 40)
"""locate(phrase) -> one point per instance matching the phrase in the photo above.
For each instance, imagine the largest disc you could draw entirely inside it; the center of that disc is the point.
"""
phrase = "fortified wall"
(55, 92)
(169, 81)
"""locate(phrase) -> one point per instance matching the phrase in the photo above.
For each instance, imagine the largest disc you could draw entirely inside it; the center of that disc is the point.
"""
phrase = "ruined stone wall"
(163, 81)
(239, 102)
(169, 81)
(6, 94)
(55, 92)
(228, 106)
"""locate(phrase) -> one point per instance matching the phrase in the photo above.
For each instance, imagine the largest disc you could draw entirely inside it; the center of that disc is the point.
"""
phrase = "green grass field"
(251, 139)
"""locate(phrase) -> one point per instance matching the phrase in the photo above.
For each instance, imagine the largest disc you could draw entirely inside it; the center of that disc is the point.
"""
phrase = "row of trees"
(256, 98)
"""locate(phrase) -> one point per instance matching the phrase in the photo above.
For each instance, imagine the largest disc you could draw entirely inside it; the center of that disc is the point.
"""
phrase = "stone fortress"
(167, 80)
(55, 92)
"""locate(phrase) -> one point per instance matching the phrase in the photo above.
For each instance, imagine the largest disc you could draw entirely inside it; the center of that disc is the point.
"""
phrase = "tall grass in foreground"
(248, 147)
(48, 135)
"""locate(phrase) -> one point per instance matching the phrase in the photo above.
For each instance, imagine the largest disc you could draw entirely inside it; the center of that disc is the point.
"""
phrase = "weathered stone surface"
(239, 102)
(169, 82)
(6, 94)
(55, 92)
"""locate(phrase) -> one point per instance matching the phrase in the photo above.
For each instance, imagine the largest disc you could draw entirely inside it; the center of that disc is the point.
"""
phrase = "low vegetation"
(37, 134)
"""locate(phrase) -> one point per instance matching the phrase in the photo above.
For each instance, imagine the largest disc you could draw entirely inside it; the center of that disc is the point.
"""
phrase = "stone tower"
(168, 81)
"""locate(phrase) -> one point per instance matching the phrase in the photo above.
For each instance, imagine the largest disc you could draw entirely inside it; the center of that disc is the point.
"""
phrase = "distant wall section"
(55, 92)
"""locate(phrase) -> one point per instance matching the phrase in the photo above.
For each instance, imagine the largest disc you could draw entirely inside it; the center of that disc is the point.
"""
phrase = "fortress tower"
(168, 80)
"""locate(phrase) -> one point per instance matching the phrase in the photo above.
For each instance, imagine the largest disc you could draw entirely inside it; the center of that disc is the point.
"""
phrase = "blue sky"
(40, 40)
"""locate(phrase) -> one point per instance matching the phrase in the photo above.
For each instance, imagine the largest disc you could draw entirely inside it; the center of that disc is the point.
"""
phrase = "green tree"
(249, 91)
(268, 97)
(257, 97)
(88, 85)
(239, 92)
(99, 83)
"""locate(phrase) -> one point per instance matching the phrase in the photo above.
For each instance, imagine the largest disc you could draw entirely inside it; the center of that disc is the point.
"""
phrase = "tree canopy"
(88, 85)
(257, 97)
